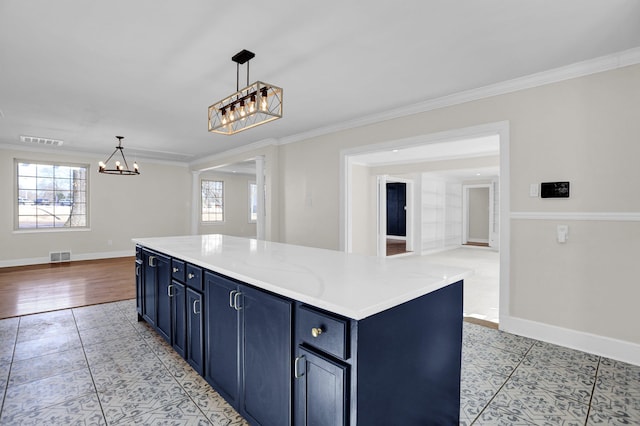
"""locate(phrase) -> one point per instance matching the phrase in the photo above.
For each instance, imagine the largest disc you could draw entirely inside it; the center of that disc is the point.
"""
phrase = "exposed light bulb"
(117, 164)
(135, 166)
(232, 115)
(243, 112)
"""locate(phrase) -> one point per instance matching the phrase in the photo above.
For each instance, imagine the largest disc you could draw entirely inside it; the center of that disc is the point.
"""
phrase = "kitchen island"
(298, 335)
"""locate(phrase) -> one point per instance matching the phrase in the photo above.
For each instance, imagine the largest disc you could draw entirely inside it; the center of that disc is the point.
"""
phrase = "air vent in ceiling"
(41, 141)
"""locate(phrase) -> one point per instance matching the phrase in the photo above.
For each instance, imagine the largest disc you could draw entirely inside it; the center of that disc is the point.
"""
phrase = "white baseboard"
(74, 257)
(599, 345)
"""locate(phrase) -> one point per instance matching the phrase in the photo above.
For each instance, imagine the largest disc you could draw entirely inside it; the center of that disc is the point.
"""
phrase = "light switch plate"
(533, 190)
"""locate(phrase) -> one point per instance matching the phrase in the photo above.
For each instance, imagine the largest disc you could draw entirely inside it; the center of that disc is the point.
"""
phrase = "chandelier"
(119, 168)
(256, 104)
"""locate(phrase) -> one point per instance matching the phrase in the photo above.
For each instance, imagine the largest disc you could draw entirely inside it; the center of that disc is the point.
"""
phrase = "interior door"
(397, 209)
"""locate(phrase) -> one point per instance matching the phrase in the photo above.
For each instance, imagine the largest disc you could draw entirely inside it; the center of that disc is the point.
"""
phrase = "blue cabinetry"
(156, 278)
(249, 349)
(178, 296)
(194, 331)
(280, 362)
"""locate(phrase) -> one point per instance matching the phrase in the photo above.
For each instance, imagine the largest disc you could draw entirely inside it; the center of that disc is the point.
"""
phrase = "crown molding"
(235, 151)
(578, 69)
(87, 154)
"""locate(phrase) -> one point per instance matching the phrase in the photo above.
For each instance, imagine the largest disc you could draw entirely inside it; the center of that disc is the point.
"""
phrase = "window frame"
(223, 202)
(53, 164)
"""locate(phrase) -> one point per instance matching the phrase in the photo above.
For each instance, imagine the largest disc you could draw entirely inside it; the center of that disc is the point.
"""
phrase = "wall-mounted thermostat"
(554, 190)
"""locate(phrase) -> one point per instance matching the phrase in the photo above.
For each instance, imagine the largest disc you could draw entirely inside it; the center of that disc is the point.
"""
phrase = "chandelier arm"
(112, 154)
(124, 159)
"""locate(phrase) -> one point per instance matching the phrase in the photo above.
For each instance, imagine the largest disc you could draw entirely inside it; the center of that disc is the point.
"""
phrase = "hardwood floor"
(40, 288)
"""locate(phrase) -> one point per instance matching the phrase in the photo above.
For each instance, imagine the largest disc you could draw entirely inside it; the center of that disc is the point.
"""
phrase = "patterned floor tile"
(618, 392)
(490, 358)
(74, 411)
(49, 345)
(4, 377)
(605, 417)
(47, 392)
(477, 387)
(496, 417)
(107, 333)
(217, 410)
(538, 406)
(126, 347)
(63, 316)
(182, 413)
(133, 399)
(498, 339)
(37, 368)
(121, 373)
(45, 329)
(561, 381)
(177, 366)
(544, 355)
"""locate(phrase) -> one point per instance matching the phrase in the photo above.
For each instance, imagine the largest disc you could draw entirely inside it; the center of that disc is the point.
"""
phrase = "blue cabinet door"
(320, 387)
(163, 297)
(179, 323)
(195, 326)
(149, 287)
(266, 357)
(221, 327)
(139, 286)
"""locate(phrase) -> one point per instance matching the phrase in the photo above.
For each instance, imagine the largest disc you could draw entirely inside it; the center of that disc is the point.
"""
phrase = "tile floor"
(98, 365)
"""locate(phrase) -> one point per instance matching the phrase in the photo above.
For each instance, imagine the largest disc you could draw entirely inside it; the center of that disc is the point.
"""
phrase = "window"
(253, 202)
(212, 204)
(51, 195)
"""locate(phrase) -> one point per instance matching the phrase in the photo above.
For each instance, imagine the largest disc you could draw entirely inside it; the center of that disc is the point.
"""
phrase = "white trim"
(465, 212)
(234, 151)
(578, 69)
(604, 216)
(74, 257)
(599, 345)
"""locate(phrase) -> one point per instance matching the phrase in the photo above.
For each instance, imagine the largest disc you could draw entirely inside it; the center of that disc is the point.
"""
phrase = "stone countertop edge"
(346, 284)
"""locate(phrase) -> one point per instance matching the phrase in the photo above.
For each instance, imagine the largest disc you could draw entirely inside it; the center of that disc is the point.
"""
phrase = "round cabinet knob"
(191, 276)
(316, 331)
(175, 269)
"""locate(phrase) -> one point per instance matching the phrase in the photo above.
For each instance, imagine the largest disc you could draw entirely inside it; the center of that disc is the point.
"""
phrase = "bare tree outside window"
(51, 195)
(212, 203)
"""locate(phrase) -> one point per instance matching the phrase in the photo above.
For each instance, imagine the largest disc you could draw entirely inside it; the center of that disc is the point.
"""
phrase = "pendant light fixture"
(256, 104)
(119, 167)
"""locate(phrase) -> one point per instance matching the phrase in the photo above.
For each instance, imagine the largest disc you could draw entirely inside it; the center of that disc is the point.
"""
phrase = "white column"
(195, 201)
(262, 195)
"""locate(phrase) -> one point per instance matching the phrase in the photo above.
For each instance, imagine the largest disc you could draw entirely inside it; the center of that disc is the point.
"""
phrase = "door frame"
(382, 213)
(465, 211)
(501, 128)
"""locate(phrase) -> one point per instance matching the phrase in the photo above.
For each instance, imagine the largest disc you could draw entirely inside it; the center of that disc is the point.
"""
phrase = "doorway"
(395, 217)
(478, 215)
(459, 144)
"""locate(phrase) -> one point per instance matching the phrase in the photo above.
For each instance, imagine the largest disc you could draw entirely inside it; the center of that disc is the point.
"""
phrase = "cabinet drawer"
(194, 277)
(324, 332)
(177, 269)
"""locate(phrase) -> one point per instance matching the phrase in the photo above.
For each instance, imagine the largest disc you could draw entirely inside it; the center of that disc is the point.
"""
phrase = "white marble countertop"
(350, 285)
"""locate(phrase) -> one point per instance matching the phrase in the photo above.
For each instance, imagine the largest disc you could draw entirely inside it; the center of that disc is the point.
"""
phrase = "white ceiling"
(86, 71)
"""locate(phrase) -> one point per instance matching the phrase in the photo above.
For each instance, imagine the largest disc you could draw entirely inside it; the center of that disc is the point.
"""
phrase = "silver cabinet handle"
(296, 371)
(169, 291)
(137, 271)
(194, 307)
(232, 293)
(190, 275)
(236, 306)
(175, 270)
(152, 261)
